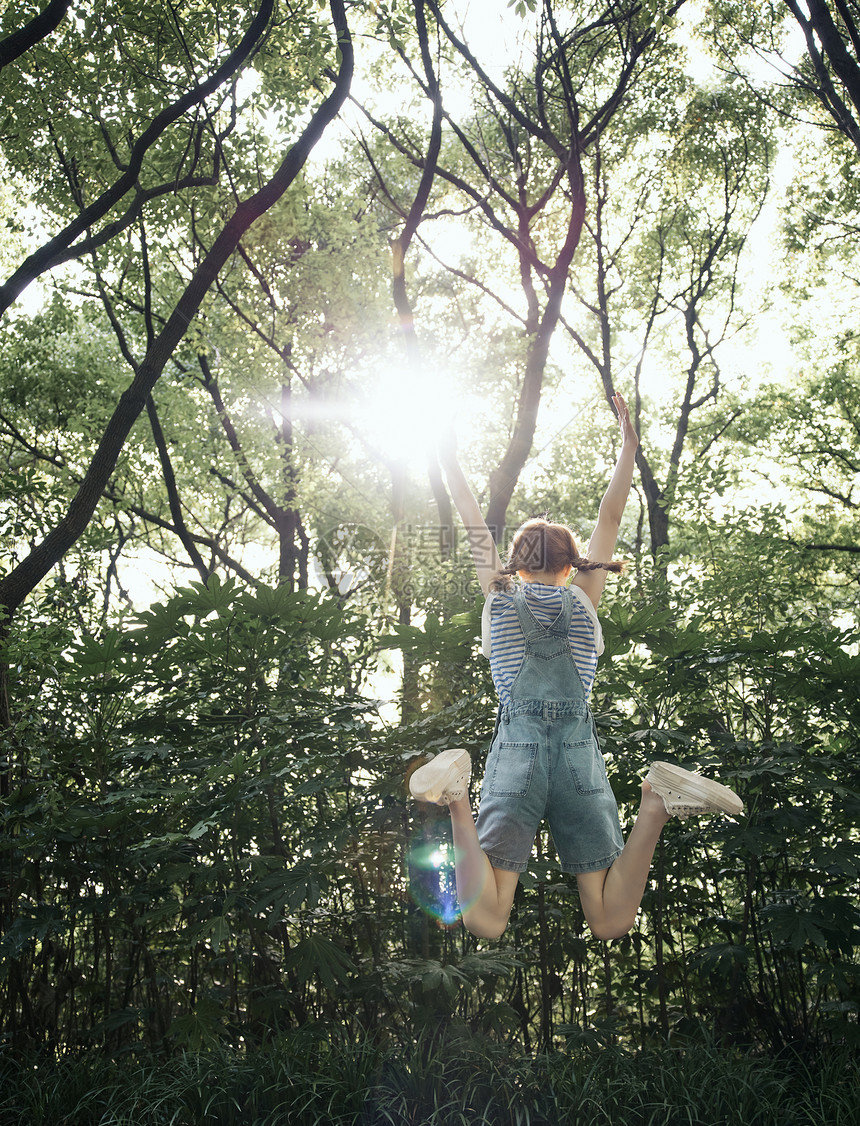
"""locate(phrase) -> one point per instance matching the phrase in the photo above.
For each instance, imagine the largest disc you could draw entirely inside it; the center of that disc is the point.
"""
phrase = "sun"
(404, 412)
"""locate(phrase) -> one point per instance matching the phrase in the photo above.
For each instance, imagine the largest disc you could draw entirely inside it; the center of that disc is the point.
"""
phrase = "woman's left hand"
(628, 434)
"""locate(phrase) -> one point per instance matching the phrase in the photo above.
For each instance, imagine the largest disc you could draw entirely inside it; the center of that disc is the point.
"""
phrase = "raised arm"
(602, 544)
(484, 550)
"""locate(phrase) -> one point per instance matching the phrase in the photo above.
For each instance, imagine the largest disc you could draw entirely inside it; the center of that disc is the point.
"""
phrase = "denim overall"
(545, 760)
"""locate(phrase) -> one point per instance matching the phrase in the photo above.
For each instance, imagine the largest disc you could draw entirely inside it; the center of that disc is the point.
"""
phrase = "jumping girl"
(543, 639)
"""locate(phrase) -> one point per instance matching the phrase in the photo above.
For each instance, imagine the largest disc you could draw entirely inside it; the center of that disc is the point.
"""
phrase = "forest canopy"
(257, 260)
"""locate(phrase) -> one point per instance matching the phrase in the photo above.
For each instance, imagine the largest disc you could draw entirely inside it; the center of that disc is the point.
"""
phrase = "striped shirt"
(503, 642)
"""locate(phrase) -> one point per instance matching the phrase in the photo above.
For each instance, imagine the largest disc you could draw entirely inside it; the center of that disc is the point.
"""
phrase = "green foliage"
(62, 99)
(315, 1080)
(205, 833)
(208, 837)
(182, 777)
(810, 439)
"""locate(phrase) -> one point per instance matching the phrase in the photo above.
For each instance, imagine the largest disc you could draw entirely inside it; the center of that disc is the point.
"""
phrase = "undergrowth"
(306, 1080)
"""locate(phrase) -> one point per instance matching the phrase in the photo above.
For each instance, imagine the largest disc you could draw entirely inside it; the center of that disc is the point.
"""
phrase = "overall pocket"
(510, 767)
(586, 766)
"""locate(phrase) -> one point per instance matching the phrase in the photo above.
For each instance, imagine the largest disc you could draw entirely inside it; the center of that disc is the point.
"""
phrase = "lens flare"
(404, 410)
(432, 882)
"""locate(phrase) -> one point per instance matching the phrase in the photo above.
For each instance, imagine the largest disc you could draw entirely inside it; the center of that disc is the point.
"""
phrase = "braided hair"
(539, 545)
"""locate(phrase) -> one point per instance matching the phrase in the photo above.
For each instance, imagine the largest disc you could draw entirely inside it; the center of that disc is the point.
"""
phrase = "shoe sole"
(429, 781)
(693, 788)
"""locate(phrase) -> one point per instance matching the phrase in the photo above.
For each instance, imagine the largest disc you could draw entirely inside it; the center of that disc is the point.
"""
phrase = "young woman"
(543, 640)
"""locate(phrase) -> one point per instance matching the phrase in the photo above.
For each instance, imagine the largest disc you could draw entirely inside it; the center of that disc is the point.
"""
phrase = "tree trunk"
(658, 517)
(503, 480)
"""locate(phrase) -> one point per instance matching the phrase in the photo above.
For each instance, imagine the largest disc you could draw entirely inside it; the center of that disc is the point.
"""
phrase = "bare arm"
(602, 544)
(484, 550)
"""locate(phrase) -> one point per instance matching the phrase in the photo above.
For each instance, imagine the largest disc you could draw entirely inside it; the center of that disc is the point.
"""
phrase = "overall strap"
(500, 712)
(532, 628)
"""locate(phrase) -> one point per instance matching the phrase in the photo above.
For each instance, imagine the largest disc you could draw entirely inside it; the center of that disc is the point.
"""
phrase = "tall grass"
(305, 1080)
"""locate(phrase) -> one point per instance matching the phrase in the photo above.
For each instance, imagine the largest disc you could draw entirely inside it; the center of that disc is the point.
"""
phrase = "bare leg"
(610, 898)
(486, 894)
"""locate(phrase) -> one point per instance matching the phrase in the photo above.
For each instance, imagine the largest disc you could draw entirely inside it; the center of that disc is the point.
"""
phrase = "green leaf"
(317, 956)
(218, 931)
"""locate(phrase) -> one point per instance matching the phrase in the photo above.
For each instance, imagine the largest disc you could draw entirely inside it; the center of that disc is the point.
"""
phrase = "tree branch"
(29, 35)
(48, 255)
(16, 585)
(173, 500)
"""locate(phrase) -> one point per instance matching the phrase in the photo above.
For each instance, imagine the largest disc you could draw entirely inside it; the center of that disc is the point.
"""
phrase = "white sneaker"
(443, 779)
(685, 793)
